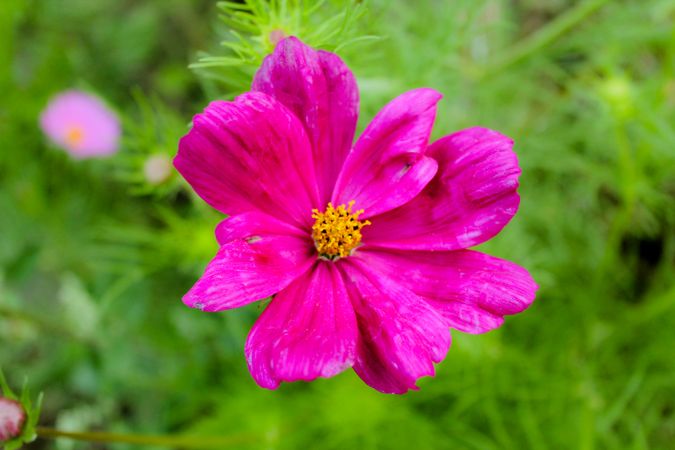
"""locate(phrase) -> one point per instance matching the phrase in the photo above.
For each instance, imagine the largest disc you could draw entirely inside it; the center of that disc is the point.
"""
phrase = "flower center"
(74, 136)
(337, 231)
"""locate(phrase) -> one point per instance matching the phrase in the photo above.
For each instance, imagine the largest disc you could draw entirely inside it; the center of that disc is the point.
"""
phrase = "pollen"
(74, 136)
(337, 231)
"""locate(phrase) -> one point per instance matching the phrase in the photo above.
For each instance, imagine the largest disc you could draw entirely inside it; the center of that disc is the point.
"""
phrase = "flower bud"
(276, 36)
(12, 418)
(157, 169)
(617, 91)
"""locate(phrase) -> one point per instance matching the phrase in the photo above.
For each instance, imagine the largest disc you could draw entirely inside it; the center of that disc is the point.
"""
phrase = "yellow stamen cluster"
(74, 135)
(337, 231)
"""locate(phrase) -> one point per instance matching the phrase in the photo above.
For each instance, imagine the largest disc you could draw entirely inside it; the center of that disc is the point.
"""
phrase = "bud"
(157, 169)
(276, 36)
(617, 91)
(12, 418)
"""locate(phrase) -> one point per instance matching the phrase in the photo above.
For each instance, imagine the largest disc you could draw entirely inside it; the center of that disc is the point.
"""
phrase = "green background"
(94, 260)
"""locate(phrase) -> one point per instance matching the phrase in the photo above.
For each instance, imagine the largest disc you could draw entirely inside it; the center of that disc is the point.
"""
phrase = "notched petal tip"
(307, 331)
(291, 41)
(258, 256)
(429, 95)
(471, 198)
(480, 133)
(401, 336)
(528, 289)
(418, 101)
(321, 91)
(387, 166)
(472, 291)
(258, 366)
(195, 302)
(235, 150)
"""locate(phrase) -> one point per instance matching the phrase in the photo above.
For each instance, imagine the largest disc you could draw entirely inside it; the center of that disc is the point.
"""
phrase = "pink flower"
(362, 246)
(12, 418)
(81, 124)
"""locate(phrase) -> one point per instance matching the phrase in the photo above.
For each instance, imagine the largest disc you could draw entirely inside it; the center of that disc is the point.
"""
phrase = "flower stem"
(545, 35)
(148, 439)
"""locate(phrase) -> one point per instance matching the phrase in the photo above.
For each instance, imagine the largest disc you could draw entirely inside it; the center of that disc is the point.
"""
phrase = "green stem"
(149, 439)
(628, 179)
(545, 35)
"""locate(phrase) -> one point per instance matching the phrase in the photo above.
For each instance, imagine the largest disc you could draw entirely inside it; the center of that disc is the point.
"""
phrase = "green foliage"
(151, 133)
(94, 258)
(253, 27)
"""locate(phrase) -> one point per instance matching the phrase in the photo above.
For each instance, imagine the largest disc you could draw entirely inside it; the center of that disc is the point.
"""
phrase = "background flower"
(81, 124)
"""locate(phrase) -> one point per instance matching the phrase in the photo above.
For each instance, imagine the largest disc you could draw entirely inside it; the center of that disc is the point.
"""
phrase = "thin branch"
(546, 35)
(149, 439)
(43, 324)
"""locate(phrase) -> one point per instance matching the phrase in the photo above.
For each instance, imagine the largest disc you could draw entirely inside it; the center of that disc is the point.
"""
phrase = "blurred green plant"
(253, 28)
(151, 133)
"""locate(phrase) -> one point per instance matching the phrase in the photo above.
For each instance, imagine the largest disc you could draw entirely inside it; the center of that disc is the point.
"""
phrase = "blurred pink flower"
(363, 247)
(12, 418)
(81, 124)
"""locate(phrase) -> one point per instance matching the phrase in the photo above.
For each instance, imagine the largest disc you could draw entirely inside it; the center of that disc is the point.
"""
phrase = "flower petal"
(471, 290)
(388, 166)
(259, 256)
(322, 92)
(251, 154)
(401, 335)
(471, 198)
(307, 331)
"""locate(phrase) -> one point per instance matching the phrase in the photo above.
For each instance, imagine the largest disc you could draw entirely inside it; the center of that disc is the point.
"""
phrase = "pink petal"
(401, 335)
(12, 418)
(307, 331)
(471, 290)
(388, 166)
(321, 91)
(251, 154)
(471, 198)
(259, 256)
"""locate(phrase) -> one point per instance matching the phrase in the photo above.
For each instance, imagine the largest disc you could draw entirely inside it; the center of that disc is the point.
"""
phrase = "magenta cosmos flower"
(81, 124)
(12, 418)
(363, 247)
